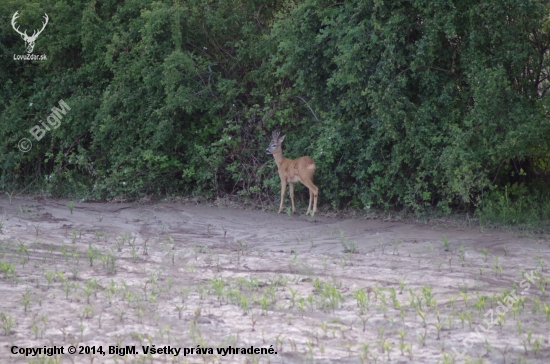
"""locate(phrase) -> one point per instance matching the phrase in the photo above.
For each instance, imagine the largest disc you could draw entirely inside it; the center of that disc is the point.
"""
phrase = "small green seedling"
(484, 252)
(402, 285)
(10, 195)
(71, 206)
(445, 241)
(7, 323)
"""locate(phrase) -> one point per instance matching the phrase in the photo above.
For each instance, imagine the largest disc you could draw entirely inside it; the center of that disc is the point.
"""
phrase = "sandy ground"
(111, 277)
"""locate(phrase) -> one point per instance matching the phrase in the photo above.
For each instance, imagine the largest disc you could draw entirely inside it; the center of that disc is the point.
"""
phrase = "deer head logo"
(29, 41)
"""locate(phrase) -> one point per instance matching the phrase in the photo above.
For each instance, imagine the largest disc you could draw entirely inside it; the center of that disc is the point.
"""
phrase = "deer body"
(292, 171)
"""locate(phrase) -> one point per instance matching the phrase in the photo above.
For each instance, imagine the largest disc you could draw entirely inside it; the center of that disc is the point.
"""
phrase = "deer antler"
(15, 16)
(276, 135)
(43, 26)
(34, 34)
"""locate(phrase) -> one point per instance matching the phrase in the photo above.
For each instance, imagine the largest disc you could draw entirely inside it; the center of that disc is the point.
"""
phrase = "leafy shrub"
(409, 104)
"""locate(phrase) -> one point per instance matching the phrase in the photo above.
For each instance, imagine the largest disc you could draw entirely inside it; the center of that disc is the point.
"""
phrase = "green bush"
(410, 104)
(515, 205)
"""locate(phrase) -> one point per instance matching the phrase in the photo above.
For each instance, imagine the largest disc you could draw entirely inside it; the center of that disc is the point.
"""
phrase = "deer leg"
(292, 196)
(315, 191)
(316, 196)
(310, 201)
(283, 190)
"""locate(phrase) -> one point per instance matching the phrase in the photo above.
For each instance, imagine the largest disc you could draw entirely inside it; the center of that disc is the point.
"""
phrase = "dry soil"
(107, 276)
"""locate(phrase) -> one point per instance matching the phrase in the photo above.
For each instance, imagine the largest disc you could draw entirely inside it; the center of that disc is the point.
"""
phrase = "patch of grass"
(515, 205)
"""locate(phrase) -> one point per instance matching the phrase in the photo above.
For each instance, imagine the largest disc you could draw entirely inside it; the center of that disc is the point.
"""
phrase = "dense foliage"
(401, 103)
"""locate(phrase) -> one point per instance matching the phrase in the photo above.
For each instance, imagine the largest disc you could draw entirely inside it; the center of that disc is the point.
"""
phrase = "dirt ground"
(109, 277)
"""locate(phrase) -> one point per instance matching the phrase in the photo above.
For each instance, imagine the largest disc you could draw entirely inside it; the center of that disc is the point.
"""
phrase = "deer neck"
(278, 156)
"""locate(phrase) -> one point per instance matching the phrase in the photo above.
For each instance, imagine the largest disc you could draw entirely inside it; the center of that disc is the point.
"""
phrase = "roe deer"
(292, 171)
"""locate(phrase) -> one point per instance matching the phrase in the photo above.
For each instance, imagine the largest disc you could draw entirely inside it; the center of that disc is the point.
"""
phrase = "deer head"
(29, 41)
(275, 142)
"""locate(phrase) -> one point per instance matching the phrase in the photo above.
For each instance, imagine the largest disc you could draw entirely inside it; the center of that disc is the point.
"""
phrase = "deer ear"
(282, 138)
